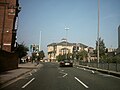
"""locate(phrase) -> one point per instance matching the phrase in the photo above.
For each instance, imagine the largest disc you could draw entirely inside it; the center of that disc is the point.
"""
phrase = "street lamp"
(40, 38)
(37, 57)
(66, 40)
(98, 31)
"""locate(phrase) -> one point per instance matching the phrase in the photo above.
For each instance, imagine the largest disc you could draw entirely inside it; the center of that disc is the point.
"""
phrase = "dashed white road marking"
(35, 70)
(65, 75)
(87, 70)
(81, 68)
(93, 71)
(81, 82)
(30, 73)
(28, 83)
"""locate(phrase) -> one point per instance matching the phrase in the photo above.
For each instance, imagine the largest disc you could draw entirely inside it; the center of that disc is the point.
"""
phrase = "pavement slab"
(13, 74)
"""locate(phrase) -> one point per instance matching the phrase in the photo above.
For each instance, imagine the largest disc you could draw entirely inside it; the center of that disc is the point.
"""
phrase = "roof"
(52, 44)
(82, 45)
(91, 48)
(64, 43)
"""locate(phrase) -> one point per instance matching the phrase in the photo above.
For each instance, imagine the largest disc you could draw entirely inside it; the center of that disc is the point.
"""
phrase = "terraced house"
(63, 47)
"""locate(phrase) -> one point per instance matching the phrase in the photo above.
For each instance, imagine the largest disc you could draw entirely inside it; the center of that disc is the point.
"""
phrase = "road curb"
(5, 82)
(117, 74)
(29, 70)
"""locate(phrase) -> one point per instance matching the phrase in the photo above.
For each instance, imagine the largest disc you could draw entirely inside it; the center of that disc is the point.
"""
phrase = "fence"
(106, 66)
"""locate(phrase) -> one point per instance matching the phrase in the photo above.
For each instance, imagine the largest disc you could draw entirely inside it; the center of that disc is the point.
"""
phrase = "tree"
(60, 57)
(82, 55)
(41, 54)
(21, 50)
(69, 56)
(38, 55)
(102, 47)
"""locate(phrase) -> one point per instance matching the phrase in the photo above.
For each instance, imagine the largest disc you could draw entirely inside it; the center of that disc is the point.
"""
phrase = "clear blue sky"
(80, 16)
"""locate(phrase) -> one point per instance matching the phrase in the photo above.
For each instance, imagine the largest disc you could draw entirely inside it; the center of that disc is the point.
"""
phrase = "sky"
(51, 17)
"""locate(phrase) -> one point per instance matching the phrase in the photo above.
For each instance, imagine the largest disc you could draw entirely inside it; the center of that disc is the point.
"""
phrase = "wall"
(7, 23)
(8, 61)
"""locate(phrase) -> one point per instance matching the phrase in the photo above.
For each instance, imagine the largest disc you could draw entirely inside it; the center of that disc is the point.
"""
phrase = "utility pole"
(98, 32)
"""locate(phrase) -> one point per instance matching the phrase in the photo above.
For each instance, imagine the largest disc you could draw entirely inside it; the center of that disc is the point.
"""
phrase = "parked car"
(66, 63)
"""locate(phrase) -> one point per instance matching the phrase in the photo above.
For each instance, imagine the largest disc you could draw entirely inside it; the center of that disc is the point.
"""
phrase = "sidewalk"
(13, 74)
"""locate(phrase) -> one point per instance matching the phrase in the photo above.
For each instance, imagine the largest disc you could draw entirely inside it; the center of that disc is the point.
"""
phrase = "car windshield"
(59, 44)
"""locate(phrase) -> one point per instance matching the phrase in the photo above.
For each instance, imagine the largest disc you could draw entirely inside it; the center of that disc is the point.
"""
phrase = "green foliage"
(82, 55)
(60, 57)
(116, 59)
(63, 57)
(101, 47)
(69, 56)
(104, 57)
(41, 54)
(21, 50)
(33, 56)
(110, 59)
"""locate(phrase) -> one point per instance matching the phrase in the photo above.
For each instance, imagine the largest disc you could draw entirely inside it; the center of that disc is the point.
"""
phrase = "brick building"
(9, 10)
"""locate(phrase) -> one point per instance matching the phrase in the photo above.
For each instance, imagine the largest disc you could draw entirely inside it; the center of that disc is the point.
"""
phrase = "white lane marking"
(81, 82)
(93, 71)
(30, 73)
(87, 70)
(58, 68)
(65, 75)
(81, 68)
(28, 83)
(35, 70)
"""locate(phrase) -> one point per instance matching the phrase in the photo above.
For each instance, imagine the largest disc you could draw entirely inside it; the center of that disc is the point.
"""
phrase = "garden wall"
(8, 61)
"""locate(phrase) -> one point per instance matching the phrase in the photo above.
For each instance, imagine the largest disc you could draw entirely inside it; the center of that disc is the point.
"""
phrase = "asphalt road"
(53, 77)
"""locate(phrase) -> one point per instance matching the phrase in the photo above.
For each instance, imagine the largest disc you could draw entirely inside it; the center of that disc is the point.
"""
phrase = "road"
(53, 77)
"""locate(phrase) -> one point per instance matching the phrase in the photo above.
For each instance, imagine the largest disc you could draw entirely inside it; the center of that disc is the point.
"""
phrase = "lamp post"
(66, 40)
(37, 59)
(98, 32)
(40, 38)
